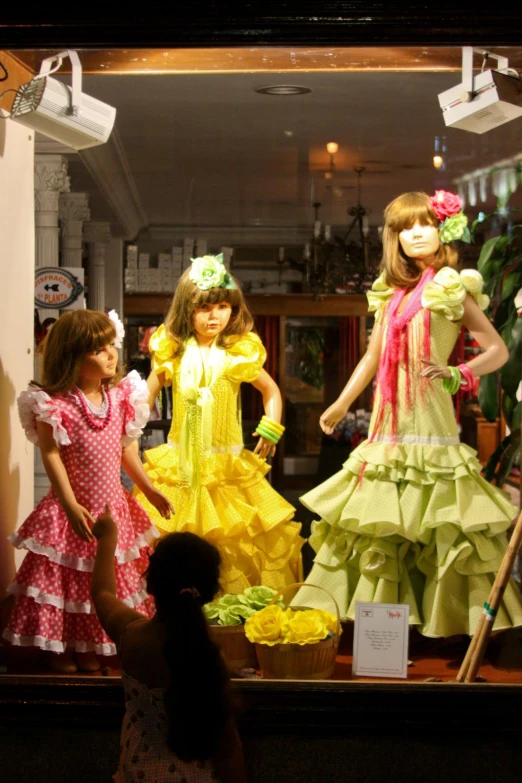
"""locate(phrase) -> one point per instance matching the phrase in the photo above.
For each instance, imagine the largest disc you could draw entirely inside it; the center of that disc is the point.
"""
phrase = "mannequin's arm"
(273, 407)
(359, 380)
(495, 351)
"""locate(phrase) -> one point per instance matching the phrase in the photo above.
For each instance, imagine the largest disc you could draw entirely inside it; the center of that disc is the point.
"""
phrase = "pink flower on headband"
(445, 204)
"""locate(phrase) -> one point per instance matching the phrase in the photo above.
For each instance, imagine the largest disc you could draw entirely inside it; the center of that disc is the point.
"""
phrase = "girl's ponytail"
(183, 575)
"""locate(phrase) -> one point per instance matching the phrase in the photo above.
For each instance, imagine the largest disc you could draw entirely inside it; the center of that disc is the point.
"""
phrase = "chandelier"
(333, 263)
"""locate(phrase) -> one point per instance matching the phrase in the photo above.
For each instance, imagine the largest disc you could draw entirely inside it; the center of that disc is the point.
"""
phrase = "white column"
(74, 210)
(98, 235)
(16, 334)
(50, 179)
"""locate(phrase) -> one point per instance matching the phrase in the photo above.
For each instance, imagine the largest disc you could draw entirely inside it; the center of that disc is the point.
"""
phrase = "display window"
(381, 477)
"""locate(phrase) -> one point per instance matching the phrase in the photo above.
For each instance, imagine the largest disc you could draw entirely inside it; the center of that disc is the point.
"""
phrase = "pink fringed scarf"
(396, 351)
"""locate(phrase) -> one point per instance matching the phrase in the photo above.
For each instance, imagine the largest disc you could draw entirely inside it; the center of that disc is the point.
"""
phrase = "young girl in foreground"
(84, 420)
(206, 349)
(178, 723)
(409, 519)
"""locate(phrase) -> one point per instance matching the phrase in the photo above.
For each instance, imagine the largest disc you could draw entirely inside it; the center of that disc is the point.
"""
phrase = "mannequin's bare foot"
(87, 662)
(63, 663)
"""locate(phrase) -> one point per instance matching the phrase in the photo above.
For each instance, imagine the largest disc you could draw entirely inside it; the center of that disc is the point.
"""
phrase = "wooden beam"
(17, 74)
(291, 305)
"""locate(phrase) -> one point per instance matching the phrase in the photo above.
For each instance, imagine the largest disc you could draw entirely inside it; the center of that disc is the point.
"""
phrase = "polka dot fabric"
(143, 751)
(53, 609)
(409, 519)
(235, 506)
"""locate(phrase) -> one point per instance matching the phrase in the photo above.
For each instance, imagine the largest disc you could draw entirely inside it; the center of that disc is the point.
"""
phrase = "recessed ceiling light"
(289, 133)
(283, 89)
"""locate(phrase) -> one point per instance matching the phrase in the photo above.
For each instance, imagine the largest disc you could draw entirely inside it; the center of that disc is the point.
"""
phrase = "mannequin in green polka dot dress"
(409, 519)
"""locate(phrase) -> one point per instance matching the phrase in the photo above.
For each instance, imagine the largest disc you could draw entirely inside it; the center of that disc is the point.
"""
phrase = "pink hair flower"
(445, 204)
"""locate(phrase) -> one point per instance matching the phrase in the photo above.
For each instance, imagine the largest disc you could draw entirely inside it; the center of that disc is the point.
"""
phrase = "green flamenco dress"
(409, 519)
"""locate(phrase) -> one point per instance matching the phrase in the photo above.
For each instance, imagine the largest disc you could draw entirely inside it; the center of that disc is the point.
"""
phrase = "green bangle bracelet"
(268, 427)
(273, 425)
(452, 385)
(267, 435)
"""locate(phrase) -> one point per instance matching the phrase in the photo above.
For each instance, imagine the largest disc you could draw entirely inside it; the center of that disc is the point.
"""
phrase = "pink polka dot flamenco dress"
(53, 608)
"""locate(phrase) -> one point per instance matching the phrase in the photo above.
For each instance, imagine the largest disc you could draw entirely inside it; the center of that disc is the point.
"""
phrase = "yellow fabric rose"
(474, 283)
(330, 620)
(306, 627)
(268, 626)
(445, 294)
(378, 297)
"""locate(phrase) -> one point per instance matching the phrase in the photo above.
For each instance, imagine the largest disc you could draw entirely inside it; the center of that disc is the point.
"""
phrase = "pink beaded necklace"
(97, 422)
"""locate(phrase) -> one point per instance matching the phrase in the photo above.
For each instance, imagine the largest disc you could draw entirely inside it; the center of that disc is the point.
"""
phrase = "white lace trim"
(215, 449)
(82, 563)
(53, 645)
(36, 405)
(417, 440)
(73, 607)
(139, 399)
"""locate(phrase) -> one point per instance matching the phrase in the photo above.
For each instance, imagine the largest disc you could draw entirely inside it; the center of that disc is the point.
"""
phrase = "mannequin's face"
(210, 319)
(100, 364)
(420, 242)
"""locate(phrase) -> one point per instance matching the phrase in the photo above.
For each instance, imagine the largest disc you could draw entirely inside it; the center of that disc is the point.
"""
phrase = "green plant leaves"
(488, 397)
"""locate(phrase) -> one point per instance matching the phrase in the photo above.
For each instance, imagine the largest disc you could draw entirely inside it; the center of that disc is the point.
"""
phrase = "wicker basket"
(239, 653)
(300, 662)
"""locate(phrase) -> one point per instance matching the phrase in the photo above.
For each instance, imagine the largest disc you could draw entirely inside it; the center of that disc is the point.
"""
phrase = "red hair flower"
(445, 204)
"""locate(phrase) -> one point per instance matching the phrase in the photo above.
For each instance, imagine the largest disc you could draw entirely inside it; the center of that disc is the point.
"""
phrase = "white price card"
(380, 642)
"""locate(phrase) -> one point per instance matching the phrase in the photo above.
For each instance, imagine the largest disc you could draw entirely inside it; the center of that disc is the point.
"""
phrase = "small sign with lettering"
(59, 288)
(380, 641)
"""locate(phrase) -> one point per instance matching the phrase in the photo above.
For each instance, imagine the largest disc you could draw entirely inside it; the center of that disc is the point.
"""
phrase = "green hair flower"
(455, 227)
(210, 272)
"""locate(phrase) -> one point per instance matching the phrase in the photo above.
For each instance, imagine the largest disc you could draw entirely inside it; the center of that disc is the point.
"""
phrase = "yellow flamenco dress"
(216, 486)
(409, 519)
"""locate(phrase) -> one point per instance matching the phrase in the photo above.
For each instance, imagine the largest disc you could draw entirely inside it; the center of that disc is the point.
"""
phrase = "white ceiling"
(207, 150)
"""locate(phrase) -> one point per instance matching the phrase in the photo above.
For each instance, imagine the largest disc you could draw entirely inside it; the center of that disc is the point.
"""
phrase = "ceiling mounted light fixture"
(283, 89)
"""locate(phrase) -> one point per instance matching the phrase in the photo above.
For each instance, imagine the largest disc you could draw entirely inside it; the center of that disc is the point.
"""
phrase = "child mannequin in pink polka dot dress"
(84, 421)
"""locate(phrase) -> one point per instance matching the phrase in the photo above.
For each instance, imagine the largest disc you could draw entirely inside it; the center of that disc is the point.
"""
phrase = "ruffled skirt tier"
(407, 523)
(235, 508)
(53, 609)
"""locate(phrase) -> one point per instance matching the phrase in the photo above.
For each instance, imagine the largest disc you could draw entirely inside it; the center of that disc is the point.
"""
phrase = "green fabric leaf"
(466, 236)
(511, 284)
(488, 396)
(506, 463)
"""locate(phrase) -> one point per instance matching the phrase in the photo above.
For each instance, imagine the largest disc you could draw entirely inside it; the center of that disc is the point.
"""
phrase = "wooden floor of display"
(430, 660)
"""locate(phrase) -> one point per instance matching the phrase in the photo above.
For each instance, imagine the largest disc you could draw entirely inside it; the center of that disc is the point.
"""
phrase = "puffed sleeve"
(447, 291)
(162, 348)
(247, 357)
(473, 282)
(36, 405)
(136, 397)
(378, 297)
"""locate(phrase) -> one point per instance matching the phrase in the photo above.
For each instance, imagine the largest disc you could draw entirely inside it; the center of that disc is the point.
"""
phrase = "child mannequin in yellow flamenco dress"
(409, 519)
(217, 489)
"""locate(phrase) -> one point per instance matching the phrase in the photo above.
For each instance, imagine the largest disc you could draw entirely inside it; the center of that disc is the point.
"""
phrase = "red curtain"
(349, 352)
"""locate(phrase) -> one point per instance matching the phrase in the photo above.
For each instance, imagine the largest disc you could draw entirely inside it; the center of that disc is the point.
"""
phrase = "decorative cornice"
(97, 233)
(108, 166)
(74, 207)
(50, 173)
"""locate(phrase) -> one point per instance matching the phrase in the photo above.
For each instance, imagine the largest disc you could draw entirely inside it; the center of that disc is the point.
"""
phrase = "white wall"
(16, 332)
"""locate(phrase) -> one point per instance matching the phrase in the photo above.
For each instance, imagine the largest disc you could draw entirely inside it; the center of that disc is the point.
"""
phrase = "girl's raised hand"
(159, 501)
(264, 447)
(105, 526)
(434, 370)
(332, 416)
(81, 521)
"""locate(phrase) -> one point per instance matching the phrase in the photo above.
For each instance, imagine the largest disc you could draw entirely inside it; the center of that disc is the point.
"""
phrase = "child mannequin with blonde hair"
(409, 519)
(84, 419)
(205, 349)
